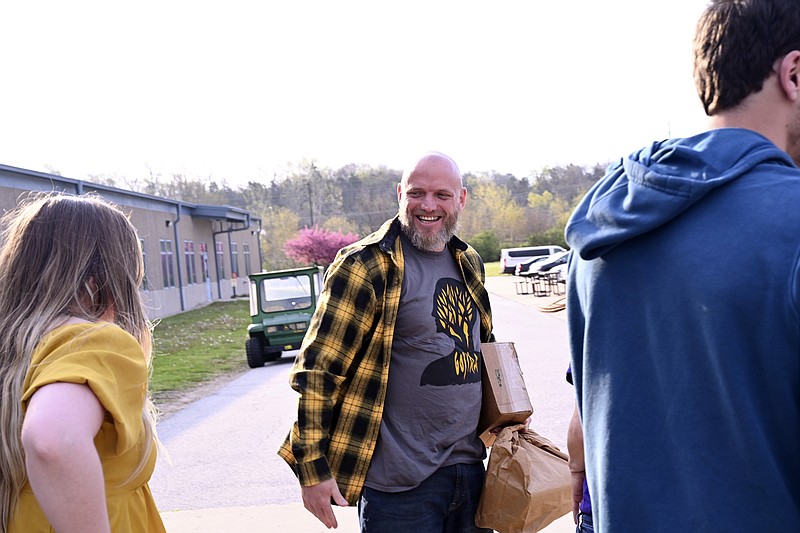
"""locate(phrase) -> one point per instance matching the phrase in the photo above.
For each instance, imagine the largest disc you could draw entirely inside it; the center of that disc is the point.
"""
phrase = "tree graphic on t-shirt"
(455, 317)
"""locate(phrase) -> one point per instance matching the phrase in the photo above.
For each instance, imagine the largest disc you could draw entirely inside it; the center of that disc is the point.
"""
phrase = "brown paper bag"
(527, 483)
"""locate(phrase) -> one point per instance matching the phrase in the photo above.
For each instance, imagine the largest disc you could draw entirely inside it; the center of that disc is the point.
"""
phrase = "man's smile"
(429, 218)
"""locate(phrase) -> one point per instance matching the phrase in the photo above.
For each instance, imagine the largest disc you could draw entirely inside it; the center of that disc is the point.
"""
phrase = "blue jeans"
(446, 502)
(584, 523)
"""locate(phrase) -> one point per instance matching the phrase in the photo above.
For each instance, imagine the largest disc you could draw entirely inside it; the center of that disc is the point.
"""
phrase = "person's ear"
(789, 75)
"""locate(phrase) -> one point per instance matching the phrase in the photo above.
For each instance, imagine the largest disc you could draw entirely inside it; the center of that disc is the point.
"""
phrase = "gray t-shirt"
(433, 398)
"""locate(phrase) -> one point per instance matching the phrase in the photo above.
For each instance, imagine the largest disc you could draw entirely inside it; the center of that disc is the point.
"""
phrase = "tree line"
(502, 210)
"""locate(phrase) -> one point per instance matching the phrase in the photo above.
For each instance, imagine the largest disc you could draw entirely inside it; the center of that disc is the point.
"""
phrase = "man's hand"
(577, 465)
(317, 499)
(577, 492)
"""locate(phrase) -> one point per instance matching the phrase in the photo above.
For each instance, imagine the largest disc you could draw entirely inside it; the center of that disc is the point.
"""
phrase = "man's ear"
(789, 75)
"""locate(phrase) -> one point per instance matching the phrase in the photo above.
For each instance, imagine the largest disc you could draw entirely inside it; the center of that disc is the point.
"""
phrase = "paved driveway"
(225, 475)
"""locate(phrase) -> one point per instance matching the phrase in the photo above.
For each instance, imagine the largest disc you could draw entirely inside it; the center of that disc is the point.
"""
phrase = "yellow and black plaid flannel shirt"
(342, 369)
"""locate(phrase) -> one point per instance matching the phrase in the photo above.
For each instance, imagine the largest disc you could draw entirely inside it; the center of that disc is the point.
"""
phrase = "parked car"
(511, 257)
(281, 305)
(558, 258)
(522, 268)
(561, 270)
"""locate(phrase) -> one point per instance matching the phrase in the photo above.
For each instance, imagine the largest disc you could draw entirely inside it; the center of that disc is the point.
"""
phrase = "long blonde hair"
(61, 256)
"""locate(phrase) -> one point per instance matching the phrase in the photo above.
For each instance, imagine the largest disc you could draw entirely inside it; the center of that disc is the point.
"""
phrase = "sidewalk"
(293, 517)
(266, 518)
(504, 285)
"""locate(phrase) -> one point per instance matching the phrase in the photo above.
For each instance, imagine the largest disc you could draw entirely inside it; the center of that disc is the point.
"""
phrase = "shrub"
(317, 246)
(554, 235)
(487, 245)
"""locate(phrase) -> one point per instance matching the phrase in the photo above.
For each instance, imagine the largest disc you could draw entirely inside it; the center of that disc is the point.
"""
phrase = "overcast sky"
(237, 90)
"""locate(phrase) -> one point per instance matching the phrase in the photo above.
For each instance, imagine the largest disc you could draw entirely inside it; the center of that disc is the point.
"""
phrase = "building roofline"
(216, 212)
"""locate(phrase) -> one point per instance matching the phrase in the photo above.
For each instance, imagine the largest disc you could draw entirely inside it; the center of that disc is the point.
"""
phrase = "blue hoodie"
(683, 304)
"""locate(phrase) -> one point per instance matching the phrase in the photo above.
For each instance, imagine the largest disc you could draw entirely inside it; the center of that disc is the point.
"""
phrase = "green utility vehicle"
(281, 305)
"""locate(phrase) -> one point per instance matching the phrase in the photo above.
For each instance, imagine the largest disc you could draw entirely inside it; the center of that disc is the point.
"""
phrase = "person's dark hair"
(736, 45)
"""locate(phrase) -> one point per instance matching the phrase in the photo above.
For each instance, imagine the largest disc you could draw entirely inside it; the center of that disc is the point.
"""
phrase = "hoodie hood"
(653, 186)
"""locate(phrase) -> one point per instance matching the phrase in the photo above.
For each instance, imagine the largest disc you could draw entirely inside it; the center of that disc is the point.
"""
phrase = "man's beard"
(793, 139)
(427, 241)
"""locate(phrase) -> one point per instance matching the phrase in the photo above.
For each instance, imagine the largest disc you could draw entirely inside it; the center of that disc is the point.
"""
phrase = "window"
(290, 293)
(220, 261)
(166, 263)
(234, 259)
(145, 284)
(246, 252)
(188, 257)
(204, 260)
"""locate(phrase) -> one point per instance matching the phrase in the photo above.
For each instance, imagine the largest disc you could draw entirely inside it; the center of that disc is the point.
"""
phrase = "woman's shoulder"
(75, 333)
(100, 354)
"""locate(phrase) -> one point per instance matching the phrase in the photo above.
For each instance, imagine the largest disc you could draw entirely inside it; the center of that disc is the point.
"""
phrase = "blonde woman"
(77, 446)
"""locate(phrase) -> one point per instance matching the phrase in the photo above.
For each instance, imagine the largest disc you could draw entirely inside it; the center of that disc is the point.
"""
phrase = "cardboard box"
(505, 398)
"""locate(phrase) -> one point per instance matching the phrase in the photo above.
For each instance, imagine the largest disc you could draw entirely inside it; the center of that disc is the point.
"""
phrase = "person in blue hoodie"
(683, 299)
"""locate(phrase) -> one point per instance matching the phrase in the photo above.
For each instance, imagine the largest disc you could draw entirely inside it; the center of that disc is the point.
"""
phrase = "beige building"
(194, 254)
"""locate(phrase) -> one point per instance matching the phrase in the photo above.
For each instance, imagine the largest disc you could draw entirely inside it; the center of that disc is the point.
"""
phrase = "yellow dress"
(110, 361)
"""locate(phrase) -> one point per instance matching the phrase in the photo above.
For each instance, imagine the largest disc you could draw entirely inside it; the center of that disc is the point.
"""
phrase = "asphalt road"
(223, 447)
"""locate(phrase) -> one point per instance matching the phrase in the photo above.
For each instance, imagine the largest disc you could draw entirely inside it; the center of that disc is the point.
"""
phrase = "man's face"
(431, 197)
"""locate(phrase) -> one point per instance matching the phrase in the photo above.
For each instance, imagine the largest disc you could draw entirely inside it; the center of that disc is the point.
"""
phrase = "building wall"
(169, 243)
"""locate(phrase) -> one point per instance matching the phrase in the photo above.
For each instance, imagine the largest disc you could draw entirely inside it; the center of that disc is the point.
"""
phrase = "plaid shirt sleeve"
(323, 369)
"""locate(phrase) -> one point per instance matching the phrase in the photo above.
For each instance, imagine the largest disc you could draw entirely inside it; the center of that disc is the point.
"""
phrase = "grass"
(196, 346)
(492, 269)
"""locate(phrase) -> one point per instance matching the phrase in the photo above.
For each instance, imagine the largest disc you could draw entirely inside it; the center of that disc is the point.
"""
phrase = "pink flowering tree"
(317, 246)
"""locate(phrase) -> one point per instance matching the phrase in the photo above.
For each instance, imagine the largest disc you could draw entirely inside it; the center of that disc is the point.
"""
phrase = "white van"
(511, 257)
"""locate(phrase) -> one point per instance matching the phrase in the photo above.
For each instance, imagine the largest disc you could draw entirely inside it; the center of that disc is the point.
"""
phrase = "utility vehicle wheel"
(255, 352)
